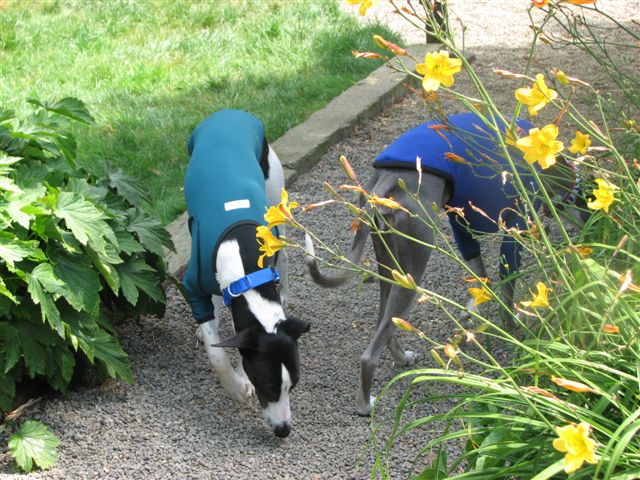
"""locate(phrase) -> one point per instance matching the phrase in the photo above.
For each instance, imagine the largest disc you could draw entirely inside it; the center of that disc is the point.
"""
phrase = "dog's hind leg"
(397, 304)
(400, 356)
(236, 384)
(413, 259)
(282, 264)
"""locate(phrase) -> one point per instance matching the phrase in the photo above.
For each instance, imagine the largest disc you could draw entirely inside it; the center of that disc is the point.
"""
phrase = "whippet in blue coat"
(474, 173)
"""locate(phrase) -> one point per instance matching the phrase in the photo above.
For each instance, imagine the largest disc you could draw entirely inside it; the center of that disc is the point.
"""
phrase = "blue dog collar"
(246, 283)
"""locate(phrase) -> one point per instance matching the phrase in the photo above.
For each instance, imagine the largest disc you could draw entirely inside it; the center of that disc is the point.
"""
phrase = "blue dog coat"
(224, 186)
(478, 180)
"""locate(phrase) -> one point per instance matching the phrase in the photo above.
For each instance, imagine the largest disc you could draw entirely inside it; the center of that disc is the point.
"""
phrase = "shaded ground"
(176, 421)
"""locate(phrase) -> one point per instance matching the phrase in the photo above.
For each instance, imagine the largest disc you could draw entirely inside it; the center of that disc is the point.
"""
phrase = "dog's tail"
(355, 254)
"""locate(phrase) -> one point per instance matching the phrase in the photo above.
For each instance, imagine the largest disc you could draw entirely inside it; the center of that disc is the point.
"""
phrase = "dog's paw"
(407, 359)
(363, 408)
(284, 300)
(238, 388)
(200, 335)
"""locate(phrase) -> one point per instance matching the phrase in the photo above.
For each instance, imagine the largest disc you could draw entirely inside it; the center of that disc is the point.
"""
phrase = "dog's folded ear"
(294, 327)
(245, 339)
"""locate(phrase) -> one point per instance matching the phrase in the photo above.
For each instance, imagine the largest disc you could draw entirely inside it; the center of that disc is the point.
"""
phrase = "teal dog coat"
(224, 186)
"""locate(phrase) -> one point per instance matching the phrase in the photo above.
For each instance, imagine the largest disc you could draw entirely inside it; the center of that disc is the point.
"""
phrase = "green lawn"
(151, 70)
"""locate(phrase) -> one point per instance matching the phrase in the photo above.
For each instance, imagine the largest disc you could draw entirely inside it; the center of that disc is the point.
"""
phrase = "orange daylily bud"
(356, 54)
(385, 202)
(436, 356)
(612, 329)
(572, 385)
(474, 279)
(403, 324)
(406, 281)
(455, 158)
(317, 205)
(382, 43)
(540, 391)
(508, 74)
(348, 169)
(540, 3)
(353, 188)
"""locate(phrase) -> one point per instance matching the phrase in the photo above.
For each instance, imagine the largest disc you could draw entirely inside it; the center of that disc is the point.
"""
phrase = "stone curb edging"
(302, 146)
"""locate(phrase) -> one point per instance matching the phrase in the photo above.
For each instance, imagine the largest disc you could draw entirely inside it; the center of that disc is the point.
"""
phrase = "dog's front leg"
(397, 304)
(236, 385)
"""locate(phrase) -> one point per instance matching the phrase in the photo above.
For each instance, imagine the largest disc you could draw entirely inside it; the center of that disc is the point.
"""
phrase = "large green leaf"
(149, 231)
(20, 205)
(69, 107)
(132, 190)
(6, 292)
(109, 351)
(136, 275)
(7, 392)
(41, 297)
(105, 266)
(81, 280)
(60, 366)
(34, 443)
(127, 242)
(10, 347)
(86, 222)
(13, 250)
(9, 185)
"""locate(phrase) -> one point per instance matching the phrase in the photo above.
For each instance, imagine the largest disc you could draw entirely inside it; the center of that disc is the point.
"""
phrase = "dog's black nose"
(282, 431)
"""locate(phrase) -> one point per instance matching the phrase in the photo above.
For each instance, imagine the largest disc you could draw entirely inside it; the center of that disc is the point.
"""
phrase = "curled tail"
(355, 254)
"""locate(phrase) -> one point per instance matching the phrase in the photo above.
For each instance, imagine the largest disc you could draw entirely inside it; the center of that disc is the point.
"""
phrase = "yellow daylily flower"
(364, 5)
(536, 97)
(574, 440)
(480, 295)
(541, 146)
(281, 213)
(438, 69)
(581, 143)
(269, 243)
(540, 299)
(604, 195)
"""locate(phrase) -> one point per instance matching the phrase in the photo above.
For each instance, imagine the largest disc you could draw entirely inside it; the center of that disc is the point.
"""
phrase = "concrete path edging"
(302, 146)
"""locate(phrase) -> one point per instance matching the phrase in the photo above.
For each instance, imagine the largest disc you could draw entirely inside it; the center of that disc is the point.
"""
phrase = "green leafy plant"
(75, 251)
(566, 397)
(33, 443)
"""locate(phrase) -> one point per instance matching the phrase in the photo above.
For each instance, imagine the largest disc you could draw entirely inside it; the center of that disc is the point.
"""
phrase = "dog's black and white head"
(271, 362)
(266, 339)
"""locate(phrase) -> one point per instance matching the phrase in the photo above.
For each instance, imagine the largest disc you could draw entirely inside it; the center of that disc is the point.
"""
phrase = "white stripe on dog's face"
(278, 413)
(268, 312)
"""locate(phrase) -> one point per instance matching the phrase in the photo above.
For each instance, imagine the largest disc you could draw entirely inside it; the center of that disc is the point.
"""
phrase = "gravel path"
(176, 421)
